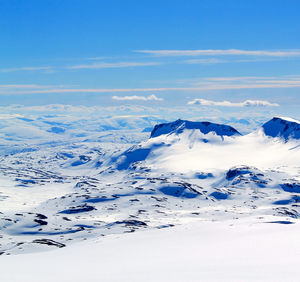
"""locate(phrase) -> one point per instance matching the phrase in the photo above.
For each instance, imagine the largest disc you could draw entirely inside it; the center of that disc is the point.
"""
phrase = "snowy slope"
(204, 251)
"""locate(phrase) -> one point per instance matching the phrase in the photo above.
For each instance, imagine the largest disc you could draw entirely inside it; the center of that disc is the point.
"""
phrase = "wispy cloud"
(161, 89)
(245, 82)
(203, 84)
(247, 103)
(239, 78)
(94, 65)
(22, 86)
(210, 61)
(138, 98)
(43, 68)
(103, 65)
(239, 52)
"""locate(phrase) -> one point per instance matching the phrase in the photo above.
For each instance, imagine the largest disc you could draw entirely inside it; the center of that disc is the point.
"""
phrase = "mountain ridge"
(205, 127)
(282, 127)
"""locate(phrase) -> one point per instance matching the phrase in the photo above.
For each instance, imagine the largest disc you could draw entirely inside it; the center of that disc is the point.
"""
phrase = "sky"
(224, 56)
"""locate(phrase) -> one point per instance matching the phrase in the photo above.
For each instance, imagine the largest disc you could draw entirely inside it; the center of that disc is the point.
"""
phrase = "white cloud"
(247, 103)
(270, 53)
(137, 98)
(259, 103)
(103, 65)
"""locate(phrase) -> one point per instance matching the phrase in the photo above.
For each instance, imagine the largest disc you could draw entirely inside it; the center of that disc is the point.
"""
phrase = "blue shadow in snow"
(177, 191)
(281, 222)
(116, 196)
(291, 187)
(219, 195)
(294, 199)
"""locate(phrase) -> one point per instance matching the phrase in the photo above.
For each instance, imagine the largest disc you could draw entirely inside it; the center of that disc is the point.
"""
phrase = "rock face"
(205, 127)
(282, 127)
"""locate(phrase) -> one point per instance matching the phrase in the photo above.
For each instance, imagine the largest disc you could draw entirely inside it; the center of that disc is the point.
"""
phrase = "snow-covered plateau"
(188, 201)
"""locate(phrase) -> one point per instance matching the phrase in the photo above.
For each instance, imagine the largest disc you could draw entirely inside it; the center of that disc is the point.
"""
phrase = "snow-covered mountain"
(189, 146)
(204, 127)
(281, 127)
(166, 136)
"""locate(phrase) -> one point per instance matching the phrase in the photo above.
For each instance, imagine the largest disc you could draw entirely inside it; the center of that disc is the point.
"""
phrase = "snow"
(203, 251)
(288, 119)
(195, 202)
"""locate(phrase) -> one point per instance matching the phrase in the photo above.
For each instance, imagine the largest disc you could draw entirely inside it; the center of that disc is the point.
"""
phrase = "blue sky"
(189, 54)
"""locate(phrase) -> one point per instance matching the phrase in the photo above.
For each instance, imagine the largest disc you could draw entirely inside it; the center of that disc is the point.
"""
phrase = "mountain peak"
(282, 127)
(205, 127)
